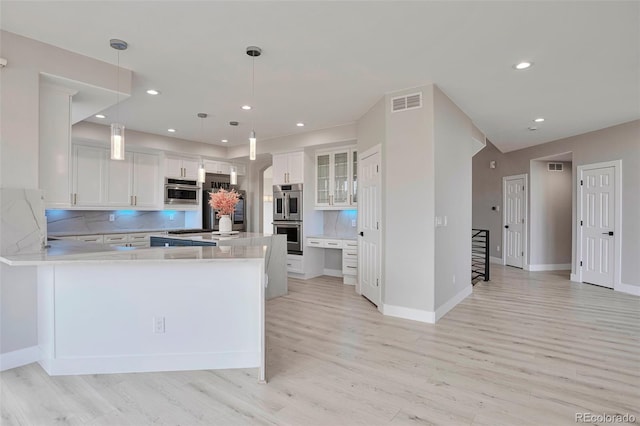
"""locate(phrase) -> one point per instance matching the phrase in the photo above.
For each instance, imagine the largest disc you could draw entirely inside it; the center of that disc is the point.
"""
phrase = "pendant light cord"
(118, 90)
(253, 90)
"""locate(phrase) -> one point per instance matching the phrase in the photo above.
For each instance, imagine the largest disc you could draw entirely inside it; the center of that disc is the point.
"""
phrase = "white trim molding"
(496, 260)
(575, 278)
(409, 313)
(19, 358)
(628, 288)
(451, 303)
(550, 267)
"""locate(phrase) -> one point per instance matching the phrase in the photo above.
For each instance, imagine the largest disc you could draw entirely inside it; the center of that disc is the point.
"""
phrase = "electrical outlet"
(353, 223)
(112, 217)
(158, 325)
(498, 247)
(172, 217)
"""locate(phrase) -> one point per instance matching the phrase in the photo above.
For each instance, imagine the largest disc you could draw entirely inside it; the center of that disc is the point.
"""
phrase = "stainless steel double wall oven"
(287, 215)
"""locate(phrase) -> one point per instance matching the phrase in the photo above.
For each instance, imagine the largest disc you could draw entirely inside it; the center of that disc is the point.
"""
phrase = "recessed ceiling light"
(300, 124)
(153, 92)
(532, 128)
(224, 141)
(100, 116)
(246, 107)
(539, 120)
(523, 65)
(171, 130)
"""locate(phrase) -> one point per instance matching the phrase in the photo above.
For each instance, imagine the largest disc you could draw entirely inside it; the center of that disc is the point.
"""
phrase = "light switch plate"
(112, 217)
(353, 223)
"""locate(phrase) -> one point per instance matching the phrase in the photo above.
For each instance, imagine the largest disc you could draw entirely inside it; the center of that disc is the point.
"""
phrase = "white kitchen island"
(154, 309)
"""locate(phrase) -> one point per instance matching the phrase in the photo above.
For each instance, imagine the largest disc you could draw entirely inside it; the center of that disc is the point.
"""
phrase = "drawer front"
(337, 244)
(314, 242)
(139, 237)
(349, 254)
(351, 244)
(350, 267)
(294, 264)
(91, 238)
(115, 239)
(140, 244)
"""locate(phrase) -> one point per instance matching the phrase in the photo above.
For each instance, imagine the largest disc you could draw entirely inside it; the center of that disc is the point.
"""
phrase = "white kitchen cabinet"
(116, 240)
(294, 264)
(349, 255)
(181, 167)
(336, 179)
(88, 176)
(98, 239)
(146, 178)
(288, 168)
(219, 167)
(133, 182)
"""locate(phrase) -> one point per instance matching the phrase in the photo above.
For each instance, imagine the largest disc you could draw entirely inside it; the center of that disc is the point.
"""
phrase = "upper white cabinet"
(99, 181)
(219, 167)
(88, 175)
(181, 168)
(134, 182)
(336, 179)
(288, 168)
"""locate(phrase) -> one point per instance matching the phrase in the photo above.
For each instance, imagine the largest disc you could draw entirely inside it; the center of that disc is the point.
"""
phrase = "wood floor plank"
(526, 348)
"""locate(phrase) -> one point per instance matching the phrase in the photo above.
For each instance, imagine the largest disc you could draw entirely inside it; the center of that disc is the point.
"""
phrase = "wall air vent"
(403, 103)
(554, 167)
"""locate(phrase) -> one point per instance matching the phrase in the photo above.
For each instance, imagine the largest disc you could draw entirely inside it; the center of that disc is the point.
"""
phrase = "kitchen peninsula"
(275, 255)
(153, 309)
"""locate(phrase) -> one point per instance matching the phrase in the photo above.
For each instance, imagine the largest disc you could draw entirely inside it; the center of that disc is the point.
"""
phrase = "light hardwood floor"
(523, 349)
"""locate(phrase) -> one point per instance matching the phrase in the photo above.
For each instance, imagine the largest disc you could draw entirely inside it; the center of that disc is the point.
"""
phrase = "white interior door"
(369, 212)
(514, 221)
(598, 224)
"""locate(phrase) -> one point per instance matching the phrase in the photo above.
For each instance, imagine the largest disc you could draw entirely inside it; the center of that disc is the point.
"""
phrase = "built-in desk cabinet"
(349, 255)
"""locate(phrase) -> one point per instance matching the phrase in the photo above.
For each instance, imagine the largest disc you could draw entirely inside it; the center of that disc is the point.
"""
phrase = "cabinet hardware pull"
(130, 200)
(75, 199)
(352, 267)
(135, 200)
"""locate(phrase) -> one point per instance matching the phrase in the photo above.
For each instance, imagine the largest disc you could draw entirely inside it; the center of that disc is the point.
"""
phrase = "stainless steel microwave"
(181, 192)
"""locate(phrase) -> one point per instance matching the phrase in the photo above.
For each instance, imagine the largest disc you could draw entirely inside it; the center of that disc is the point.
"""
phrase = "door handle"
(608, 233)
(361, 233)
(506, 226)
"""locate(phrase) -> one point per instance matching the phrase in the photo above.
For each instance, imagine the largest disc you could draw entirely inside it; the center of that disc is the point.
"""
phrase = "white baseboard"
(451, 303)
(147, 363)
(496, 260)
(409, 313)
(550, 267)
(628, 288)
(574, 278)
(19, 358)
(332, 272)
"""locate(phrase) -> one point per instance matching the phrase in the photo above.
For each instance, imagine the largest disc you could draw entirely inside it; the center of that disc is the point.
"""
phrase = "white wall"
(408, 160)
(267, 193)
(453, 152)
(19, 147)
(550, 218)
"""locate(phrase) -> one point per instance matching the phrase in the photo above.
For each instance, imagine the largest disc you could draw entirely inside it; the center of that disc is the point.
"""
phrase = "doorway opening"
(551, 213)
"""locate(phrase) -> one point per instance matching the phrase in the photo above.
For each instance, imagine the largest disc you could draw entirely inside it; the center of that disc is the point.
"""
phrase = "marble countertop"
(72, 252)
(334, 237)
(208, 236)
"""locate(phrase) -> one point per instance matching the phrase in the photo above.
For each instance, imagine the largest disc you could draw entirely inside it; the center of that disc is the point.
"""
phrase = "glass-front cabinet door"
(323, 179)
(354, 177)
(340, 179)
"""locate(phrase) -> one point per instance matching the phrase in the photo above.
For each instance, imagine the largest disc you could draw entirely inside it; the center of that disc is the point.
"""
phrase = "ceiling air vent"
(403, 103)
(554, 167)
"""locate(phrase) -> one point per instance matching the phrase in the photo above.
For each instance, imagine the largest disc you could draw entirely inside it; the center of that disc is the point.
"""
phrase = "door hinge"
(580, 223)
(581, 263)
(377, 225)
(521, 253)
(581, 182)
(523, 187)
(377, 169)
(377, 282)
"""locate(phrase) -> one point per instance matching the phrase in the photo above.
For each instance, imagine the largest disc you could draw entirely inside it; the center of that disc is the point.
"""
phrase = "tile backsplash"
(339, 223)
(96, 222)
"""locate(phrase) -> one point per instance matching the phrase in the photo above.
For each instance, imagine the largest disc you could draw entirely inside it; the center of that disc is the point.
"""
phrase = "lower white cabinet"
(138, 239)
(98, 239)
(294, 264)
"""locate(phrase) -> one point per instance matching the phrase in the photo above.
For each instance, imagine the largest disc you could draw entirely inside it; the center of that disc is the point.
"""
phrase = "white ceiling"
(325, 63)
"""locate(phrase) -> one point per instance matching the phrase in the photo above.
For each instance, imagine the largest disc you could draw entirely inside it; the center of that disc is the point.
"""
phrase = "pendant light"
(202, 173)
(233, 179)
(117, 129)
(254, 52)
